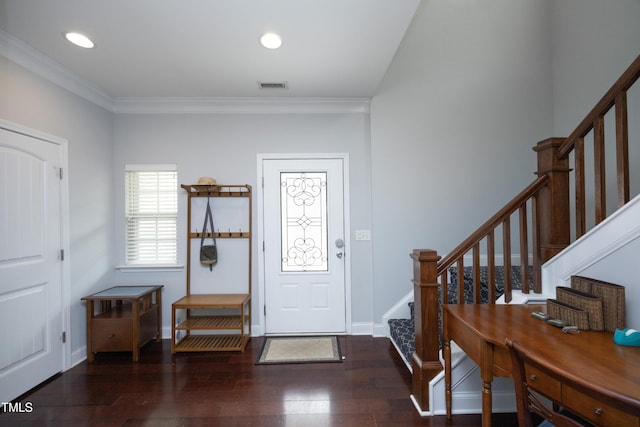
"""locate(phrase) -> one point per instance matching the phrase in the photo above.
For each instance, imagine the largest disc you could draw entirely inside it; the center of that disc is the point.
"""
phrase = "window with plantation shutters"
(152, 214)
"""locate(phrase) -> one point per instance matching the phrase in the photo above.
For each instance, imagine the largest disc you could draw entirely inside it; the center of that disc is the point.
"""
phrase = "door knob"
(339, 254)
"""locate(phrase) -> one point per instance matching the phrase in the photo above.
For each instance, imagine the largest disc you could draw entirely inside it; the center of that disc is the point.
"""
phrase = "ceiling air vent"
(273, 85)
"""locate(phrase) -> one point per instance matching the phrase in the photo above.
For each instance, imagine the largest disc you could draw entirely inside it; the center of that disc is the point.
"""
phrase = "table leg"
(90, 309)
(487, 404)
(447, 375)
(159, 308)
(135, 318)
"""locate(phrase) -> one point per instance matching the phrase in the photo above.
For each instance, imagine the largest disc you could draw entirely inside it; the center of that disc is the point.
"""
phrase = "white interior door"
(304, 246)
(30, 265)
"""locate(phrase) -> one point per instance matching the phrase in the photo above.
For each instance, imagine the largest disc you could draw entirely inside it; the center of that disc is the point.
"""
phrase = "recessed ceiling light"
(79, 40)
(271, 41)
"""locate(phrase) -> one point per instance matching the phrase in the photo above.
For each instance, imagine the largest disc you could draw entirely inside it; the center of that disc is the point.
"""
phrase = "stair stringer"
(406, 362)
(609, 252)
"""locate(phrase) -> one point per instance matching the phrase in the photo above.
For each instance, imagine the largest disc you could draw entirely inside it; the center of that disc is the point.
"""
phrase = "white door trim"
(65, 281)
(260, 328)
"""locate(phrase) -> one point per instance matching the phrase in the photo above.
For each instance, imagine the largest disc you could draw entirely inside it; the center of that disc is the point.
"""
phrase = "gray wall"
(472, 88)
(594, 41)
(225, 146)
(32, 101)
(466, 97)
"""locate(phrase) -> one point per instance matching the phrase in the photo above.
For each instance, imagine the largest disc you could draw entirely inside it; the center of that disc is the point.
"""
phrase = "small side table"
(127, 318)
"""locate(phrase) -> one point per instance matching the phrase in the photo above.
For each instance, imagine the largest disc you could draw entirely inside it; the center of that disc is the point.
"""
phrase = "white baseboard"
(78, 356)
(382, 329)
(362, 328)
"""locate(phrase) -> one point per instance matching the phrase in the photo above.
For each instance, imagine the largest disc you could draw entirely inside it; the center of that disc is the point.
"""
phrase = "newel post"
(553, 207)
(425, 361)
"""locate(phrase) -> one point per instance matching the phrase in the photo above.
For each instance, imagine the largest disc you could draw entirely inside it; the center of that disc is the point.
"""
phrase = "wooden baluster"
(477, 285)
(460, 280)
(506, 244)
(581, 216)
(537, 266)
(524, 250)
(622, 149)
(491, 267)
(599, 172)
(444, 286)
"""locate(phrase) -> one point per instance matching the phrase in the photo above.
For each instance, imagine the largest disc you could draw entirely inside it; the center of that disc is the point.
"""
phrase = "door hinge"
(263, 246)
(61, 254)
(265, 310)
(60, 173)
(64, 337)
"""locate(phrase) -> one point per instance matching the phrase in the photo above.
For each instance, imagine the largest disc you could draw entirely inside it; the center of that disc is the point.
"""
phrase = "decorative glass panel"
(303, 211)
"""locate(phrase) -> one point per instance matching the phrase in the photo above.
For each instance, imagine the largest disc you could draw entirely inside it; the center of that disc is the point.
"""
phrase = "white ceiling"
(210, 48)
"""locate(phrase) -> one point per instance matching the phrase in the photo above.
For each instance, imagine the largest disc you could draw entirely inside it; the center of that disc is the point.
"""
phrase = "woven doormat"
(279, 350)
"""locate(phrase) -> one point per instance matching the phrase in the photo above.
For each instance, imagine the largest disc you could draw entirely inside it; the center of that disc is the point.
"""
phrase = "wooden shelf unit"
(212, 332)
(213, 322)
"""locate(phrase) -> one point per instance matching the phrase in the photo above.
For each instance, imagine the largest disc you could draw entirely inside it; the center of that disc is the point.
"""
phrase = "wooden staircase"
(402, 331)
(547, 217)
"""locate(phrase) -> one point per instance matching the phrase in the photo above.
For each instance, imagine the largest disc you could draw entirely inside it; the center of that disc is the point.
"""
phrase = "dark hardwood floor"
(370, 388)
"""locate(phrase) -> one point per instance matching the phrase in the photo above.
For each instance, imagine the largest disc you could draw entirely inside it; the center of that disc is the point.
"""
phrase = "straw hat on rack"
(206, 183)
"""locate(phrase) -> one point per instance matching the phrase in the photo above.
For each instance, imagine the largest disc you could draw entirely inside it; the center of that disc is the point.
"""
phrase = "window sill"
(150, 268)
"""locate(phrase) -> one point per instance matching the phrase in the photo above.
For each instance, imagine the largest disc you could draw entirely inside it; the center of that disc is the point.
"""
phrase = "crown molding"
(24, 55)
(241, 105)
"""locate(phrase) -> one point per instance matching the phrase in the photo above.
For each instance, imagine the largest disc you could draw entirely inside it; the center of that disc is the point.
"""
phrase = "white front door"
(30, 265)
(304, 246)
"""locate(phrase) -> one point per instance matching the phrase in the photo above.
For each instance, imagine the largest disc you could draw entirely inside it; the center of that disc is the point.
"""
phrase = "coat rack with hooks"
(194, 327)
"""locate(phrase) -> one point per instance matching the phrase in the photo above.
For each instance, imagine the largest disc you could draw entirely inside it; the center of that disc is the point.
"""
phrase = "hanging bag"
(208, 253)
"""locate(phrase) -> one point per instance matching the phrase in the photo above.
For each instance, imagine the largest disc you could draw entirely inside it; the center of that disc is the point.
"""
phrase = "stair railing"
(548, 201)
(521, 205)
(593, 126)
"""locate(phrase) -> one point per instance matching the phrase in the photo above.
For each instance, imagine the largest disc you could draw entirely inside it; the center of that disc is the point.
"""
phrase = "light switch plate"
(363, 234)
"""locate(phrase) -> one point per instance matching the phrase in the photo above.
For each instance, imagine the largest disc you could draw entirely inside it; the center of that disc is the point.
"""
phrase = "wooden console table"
(586, 372)
(127, 318)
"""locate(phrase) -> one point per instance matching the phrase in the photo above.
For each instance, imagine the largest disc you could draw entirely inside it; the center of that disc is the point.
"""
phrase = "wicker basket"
(584, 301)
(613, 300)
(571, 315)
